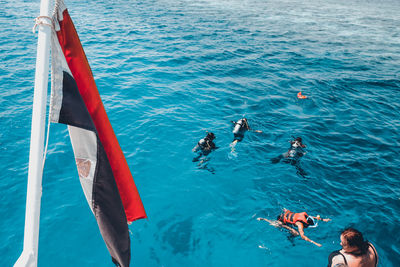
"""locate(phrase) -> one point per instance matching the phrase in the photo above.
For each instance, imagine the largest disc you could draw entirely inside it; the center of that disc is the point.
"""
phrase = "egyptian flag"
(103, 171)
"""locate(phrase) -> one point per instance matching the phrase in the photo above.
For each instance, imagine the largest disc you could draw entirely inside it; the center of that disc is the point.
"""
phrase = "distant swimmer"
(206, 144)
(239, 128)
(355, 252)
(302, 220)
(295, 152)
(204, 147)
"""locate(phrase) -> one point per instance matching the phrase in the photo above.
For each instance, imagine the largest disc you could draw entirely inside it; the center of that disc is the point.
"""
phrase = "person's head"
(299, 142)
(353, 241)
(245, 123)
(298, 139)
(210, 136)
(310, 221)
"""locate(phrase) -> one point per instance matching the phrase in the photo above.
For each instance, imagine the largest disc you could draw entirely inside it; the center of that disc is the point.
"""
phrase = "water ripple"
(167, 72)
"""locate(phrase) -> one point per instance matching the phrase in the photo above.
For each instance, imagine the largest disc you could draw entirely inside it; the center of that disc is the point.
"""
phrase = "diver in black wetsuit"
(206, 144)
(295, 152)
(204, 147)
(293, 155)
(240, 127)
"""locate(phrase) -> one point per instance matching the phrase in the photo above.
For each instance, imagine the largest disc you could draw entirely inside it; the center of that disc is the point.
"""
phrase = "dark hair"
(298, 139)
(245, 124)
(210, 135)
(355, 238)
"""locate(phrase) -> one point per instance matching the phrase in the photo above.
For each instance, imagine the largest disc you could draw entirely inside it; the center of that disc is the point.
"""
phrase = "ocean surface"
(168, 71)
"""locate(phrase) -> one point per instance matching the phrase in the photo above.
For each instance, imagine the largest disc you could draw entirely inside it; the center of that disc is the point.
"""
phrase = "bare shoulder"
(336, 259)
(372, 248)
(373, 252)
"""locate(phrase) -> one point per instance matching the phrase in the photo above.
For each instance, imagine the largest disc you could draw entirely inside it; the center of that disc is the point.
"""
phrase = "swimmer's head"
(311, 222)
(210, 136)
(298, 142)
(245, 123)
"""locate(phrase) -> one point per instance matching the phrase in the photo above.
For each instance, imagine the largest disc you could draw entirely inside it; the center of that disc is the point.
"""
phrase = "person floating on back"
(302, 220)
(355, 252)
(240, 127)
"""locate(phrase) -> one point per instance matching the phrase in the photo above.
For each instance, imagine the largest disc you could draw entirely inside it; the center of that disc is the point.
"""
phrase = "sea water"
(168, 71)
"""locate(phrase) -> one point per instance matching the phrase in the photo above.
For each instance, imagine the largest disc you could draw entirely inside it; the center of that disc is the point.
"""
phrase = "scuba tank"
(238, 126)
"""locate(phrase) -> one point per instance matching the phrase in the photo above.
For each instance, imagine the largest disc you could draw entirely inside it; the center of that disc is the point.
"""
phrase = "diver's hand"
(318, 244)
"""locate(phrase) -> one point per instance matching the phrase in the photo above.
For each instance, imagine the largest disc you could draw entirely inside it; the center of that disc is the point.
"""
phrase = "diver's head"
(210, 136)
(245, 123)
(298, 142)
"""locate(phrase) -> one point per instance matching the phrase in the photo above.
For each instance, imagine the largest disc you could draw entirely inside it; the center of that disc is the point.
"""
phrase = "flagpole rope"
(47, 141)
(38, 22)
(56, 6)
(43, 20)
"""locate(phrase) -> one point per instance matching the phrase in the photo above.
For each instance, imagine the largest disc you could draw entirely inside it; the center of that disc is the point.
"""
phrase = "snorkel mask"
(311, 222)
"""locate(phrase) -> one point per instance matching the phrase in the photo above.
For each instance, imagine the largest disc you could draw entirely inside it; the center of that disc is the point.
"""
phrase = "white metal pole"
(29, 256)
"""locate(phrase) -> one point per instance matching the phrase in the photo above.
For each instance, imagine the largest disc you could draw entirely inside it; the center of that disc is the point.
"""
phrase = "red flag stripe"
(82, 74)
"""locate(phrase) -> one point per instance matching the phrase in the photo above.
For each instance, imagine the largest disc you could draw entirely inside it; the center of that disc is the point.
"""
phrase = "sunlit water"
(168, 71)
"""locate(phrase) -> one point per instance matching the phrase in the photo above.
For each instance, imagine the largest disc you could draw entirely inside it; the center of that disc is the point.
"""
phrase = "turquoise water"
(168, 71)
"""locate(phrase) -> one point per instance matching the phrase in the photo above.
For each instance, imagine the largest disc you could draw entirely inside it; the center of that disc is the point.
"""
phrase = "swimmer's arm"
(303, 236)
(255, 131)
(320, 219)
(271, 222)
(292, 231)
(195, 148)
(280, 224)
(264, 219)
